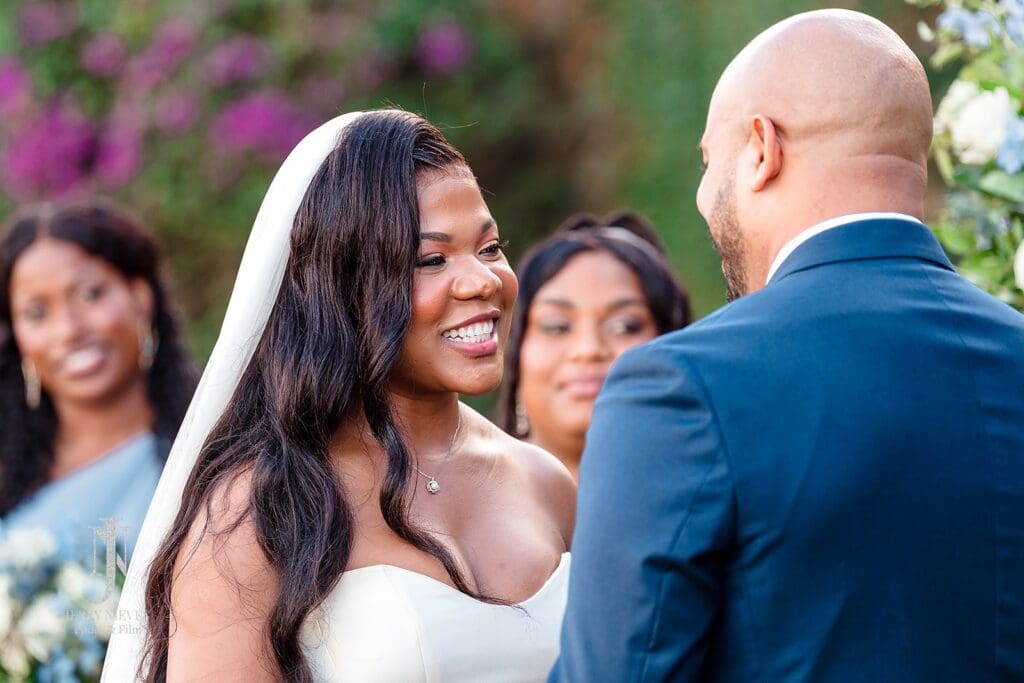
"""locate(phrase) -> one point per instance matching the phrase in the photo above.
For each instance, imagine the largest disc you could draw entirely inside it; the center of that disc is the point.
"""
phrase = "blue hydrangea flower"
(975, 27)
(91, 658)
(1014, 8)
(1015, 29)
(1011, 154)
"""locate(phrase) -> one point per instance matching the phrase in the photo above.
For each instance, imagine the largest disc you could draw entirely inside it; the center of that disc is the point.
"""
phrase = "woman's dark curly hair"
(111, 234)
(334, 336)
(625, 235)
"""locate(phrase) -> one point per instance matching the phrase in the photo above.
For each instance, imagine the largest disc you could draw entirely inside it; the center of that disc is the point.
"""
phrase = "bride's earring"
(33, 387)
(147, 346)
(522, 422)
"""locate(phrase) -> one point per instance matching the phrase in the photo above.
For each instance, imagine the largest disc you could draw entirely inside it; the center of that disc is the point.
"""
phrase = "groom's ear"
(767, 147)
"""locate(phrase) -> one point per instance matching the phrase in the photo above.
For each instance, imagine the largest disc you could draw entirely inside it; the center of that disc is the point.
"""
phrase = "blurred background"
(182, 110)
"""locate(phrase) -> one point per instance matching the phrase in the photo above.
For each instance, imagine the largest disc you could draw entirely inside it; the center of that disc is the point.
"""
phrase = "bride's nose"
(475, 281)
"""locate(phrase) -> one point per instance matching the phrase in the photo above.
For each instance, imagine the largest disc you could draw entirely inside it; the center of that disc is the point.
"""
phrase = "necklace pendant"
(433, 486)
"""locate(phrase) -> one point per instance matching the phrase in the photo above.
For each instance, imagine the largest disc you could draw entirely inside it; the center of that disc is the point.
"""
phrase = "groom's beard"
(728, 241)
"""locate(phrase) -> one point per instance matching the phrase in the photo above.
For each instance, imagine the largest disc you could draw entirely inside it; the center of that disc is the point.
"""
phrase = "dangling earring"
(147, 346)
(522, 422)
(33, 387)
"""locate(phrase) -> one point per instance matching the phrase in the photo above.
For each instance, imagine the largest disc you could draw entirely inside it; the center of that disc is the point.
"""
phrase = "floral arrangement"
(55, 617)
(979, 140)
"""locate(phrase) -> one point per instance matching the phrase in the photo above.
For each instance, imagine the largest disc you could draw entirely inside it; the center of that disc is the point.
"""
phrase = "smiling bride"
(330, 510)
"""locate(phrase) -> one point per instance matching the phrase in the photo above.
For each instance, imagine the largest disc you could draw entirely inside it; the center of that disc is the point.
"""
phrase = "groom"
(824, 480)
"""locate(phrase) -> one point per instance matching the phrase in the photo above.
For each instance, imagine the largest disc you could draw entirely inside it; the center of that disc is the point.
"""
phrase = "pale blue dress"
(118, 485)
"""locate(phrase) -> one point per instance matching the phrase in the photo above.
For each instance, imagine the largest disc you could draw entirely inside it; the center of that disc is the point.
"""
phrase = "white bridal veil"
(256, 287)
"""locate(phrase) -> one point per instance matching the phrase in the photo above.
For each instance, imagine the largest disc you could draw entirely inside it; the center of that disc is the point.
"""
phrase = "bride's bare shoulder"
(547, 478)
(223, 592)
(222, 543)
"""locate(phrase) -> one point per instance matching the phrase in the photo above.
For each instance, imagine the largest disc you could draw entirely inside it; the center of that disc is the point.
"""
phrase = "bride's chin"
(483, 383)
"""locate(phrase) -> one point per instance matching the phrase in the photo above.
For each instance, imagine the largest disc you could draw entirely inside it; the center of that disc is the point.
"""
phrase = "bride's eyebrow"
(446, 238)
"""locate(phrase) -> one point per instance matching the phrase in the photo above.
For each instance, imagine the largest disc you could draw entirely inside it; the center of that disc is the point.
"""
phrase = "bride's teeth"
(475, 334)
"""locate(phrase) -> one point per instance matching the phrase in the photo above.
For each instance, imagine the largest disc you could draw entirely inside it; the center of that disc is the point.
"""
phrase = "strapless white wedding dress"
(385, 624)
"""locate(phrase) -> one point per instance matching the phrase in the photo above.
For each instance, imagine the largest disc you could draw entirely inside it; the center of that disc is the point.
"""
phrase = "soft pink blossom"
(444, 48)
(15, 87)
(240, 58)
(104, 54)
(43, 22)
(172, 43)
(118, 156)
(176, 112)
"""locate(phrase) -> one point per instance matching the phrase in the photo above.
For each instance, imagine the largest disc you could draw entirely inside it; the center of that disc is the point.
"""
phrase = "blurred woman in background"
(586, 294)
(94, 378)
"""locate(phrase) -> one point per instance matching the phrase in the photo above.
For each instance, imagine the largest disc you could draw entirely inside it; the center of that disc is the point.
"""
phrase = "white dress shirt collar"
(789, 247)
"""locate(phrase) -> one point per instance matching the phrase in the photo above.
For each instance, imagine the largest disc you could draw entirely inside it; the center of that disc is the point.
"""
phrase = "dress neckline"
(430, 580)
(125, 446)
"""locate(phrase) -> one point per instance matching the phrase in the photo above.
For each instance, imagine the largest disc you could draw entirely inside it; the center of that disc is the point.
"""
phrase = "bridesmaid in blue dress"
(94, 379)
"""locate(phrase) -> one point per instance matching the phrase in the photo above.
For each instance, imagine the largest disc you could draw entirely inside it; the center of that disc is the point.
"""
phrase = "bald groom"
(824, 480)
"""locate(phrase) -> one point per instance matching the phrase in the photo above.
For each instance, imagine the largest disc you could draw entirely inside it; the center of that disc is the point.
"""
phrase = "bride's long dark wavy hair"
(118, 238)
(334, 335)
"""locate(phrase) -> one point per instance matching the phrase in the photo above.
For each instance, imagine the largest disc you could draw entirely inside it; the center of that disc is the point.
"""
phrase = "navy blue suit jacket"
(822, 481)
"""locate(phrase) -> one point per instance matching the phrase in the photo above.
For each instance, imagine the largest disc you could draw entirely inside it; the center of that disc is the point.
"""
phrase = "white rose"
(6, 607)
(1018, 267)
(980, 127)
(959, 94)
(103, 616)
(76, 582)
(41, 629)
(14, 661)
(24, 548)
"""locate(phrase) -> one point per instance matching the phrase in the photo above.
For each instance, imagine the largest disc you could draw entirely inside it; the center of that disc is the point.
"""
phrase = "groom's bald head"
(823, 114)
(835, 78)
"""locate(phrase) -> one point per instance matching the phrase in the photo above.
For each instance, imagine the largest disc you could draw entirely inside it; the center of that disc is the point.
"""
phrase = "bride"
(330, 511)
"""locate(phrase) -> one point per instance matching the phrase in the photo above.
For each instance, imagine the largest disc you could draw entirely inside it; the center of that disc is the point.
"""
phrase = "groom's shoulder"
(744, 334)
(734, 324)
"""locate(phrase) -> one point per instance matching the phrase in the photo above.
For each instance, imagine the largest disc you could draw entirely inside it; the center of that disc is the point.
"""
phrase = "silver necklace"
(433, 486)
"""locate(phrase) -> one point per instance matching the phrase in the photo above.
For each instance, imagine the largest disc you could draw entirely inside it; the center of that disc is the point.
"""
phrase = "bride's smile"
(477, 336)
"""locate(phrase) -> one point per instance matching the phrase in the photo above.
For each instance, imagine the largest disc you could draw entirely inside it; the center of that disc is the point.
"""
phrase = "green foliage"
(979, 141)
(201, 101)
(666, 59)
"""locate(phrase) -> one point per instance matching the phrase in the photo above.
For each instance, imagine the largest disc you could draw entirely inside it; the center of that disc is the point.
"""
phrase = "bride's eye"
(495, 248)
(429, 261)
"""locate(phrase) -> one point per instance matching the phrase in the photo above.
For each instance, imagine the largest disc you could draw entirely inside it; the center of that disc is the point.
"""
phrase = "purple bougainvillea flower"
(176, 112)
(444, 48)
(265, 122)
(15, 87)
(50, 154)
(44, 22)
(172, 43)
(240, 58)
(118, 156)
(173, 40)
(103, 54)
(323, 94)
